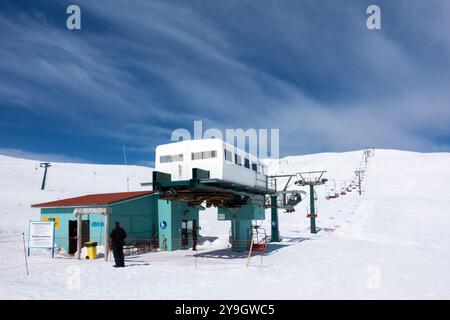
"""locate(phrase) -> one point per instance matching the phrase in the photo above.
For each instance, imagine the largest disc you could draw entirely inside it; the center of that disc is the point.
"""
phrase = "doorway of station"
(188, 234)
(85, 234)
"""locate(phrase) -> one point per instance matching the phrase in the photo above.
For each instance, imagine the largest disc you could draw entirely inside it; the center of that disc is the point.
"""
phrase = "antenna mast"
(126, 167)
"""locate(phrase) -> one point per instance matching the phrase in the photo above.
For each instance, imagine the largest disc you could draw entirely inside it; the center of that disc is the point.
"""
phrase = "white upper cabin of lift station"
(221, 159)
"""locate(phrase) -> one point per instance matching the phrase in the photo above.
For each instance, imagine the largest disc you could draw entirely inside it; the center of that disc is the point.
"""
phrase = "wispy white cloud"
(22, 154)
(311, 70)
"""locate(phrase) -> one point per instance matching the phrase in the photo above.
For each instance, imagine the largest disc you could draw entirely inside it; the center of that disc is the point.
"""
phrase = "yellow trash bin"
(91, 250)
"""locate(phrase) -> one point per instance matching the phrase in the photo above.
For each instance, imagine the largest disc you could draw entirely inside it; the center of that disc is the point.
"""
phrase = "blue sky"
(139, 69)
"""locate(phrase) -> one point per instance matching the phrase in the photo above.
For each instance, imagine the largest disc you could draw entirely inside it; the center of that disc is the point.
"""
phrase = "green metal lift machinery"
(237, 203)
(240, 204)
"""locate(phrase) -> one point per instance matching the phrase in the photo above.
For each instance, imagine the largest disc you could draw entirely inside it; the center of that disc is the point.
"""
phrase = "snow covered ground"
(21, 180)
(392, 242)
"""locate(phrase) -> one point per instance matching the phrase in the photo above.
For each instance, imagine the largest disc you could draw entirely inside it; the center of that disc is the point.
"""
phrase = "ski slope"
(392, 242)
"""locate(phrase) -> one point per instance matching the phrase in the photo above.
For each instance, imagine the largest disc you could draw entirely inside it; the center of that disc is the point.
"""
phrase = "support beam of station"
(275, 237)
(237, 203)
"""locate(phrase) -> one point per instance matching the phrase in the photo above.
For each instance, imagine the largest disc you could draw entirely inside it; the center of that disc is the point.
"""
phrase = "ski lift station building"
(168, 224)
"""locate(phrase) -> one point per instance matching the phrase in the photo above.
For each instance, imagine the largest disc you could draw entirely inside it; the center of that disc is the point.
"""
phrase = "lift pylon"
(284, 199)
(311, 179)
(44, 165)
(358, 173)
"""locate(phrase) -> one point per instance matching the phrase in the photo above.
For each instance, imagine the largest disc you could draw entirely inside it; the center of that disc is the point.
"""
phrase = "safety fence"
(219, 254)
(185, 251)
(13, 252)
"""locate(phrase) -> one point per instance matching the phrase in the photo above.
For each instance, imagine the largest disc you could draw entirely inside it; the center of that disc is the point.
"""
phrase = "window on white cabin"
(209, 154)
(255, 167)
(228, 155)
(260, 169)
(238, 159)
(196, 155)
(246, 163)
(204, 155)
(171, 158)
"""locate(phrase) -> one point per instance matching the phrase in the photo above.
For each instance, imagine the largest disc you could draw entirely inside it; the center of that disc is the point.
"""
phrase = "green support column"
(240, 234)
(312, 209)
(274, 210)
(241, 224)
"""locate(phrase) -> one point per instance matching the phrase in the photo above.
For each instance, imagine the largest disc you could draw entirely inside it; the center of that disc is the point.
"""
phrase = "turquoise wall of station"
(149, 217)
(139, 218)
(170, 216)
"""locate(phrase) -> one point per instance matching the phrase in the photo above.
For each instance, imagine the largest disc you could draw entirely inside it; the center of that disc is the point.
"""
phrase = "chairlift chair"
(259, 236)
(292, 201)
(332, 194)
(309, 214)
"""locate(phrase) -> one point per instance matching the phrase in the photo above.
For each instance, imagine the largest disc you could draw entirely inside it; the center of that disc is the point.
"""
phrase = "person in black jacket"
(117, 237)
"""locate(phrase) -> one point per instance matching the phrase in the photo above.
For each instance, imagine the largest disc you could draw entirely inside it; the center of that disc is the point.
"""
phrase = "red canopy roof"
(94, 199)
